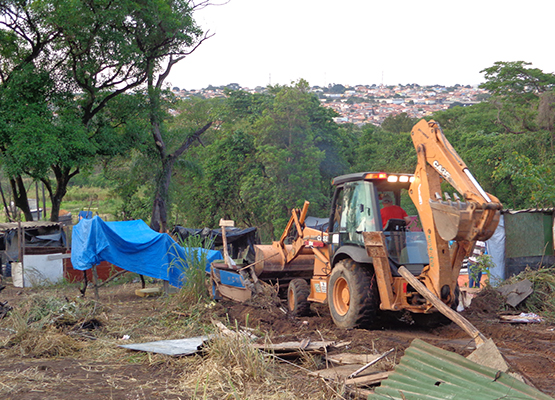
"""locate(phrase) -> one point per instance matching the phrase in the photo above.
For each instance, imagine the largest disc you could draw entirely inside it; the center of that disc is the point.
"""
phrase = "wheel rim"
(291, 299)
(341, 296)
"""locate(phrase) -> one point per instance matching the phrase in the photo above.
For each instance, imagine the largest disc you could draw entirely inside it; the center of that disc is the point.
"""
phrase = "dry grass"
(233, 369)
(40, 325)
(47, 343)
(29, 379)
(50, 326)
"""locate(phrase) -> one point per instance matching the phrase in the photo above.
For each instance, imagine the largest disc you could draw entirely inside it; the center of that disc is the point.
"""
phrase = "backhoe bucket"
(465, 221)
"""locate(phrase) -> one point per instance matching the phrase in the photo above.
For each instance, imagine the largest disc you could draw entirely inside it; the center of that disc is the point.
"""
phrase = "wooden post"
(223, 224)
(43, 202)
(454, 316)
(37, 202)
(21, 248)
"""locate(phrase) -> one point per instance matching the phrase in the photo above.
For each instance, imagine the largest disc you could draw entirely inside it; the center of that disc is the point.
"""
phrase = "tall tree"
(166, 33)
(94, 52)
(516, 90)
(27, 57)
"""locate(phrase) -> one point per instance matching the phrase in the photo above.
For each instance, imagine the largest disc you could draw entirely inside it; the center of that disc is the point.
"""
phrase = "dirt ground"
(123, 374)
(528, 348)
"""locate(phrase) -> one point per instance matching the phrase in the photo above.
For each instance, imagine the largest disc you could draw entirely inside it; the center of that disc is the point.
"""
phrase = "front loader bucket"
(269, 266)
(465, 221)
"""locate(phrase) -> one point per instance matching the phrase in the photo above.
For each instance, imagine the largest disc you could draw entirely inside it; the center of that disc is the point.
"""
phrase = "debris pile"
(532, 291)
(47, 326)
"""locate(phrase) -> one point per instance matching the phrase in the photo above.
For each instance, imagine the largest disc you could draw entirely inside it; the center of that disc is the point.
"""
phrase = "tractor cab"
(357, 207)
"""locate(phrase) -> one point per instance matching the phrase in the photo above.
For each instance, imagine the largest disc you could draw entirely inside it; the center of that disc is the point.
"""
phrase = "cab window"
(355, 212)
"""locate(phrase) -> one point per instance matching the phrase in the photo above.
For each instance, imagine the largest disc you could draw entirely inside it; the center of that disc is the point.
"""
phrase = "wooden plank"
(147, 292)
(294, 346)
(227, 222)
(340, 372)
(367, 380)
(443, 308)
(350, 358)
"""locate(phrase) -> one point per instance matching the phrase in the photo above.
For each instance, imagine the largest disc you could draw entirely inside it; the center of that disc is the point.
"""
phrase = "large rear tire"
(297, 297)
(353, 296)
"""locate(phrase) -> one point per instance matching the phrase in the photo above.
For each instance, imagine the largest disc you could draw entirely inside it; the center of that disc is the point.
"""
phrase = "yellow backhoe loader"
(354, 264)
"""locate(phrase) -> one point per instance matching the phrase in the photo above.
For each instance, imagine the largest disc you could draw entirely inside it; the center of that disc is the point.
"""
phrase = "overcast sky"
(261, 42)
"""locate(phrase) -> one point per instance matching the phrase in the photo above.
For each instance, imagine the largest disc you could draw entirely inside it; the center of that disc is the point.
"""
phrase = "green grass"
(97, 200)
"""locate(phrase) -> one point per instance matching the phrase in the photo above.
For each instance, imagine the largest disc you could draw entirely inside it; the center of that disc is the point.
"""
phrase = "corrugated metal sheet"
(528, 235)
(427, 372)
(550, 210)
(8, 226)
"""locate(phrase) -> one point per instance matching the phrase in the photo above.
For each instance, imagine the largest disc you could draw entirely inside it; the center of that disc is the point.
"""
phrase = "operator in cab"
(390, 211)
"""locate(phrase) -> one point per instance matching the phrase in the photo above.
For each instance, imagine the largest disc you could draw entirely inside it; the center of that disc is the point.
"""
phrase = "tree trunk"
(56, 204)
(159, 219)
(63, 176)
(20, 197)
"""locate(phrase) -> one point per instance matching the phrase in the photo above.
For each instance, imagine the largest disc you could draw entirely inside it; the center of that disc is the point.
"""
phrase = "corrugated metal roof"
(8, 226)
(427, 372)
(549, 210)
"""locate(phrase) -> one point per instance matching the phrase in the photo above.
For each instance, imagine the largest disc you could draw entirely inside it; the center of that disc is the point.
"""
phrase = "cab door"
(355, 210)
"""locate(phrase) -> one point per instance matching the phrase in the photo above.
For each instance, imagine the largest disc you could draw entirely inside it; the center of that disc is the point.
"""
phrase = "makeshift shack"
(32, 252)
(133, 246)
(529, 238)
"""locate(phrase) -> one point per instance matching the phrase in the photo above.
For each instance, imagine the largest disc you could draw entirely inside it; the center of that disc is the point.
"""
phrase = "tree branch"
(190, 141)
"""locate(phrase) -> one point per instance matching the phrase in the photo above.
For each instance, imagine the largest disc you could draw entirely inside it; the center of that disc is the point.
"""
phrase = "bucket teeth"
(456, 196)
(447, 197)
(438, 196)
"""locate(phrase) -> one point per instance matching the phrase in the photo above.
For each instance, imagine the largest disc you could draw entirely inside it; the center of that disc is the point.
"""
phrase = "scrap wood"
(147, 292)
(350, 358)
(228, 332)
(522, 318)
(343, 343)
(474, 333)
(341, 372)
(369, 380)
(358, 371)
(298, 353)
(304, 369)
(358, 393)
(486, 353)
(295, 346)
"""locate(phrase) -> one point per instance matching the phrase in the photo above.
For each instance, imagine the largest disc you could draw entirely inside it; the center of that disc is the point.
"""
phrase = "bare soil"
(123, 374)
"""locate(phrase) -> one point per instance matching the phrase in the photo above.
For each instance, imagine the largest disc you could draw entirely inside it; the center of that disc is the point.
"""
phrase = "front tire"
(297, 297)
(353, 295)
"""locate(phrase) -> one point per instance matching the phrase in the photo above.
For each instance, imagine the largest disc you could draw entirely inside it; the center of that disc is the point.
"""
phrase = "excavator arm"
(464, 220)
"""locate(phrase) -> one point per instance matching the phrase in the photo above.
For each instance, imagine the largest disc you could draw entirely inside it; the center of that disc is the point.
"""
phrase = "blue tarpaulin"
(133, 246)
